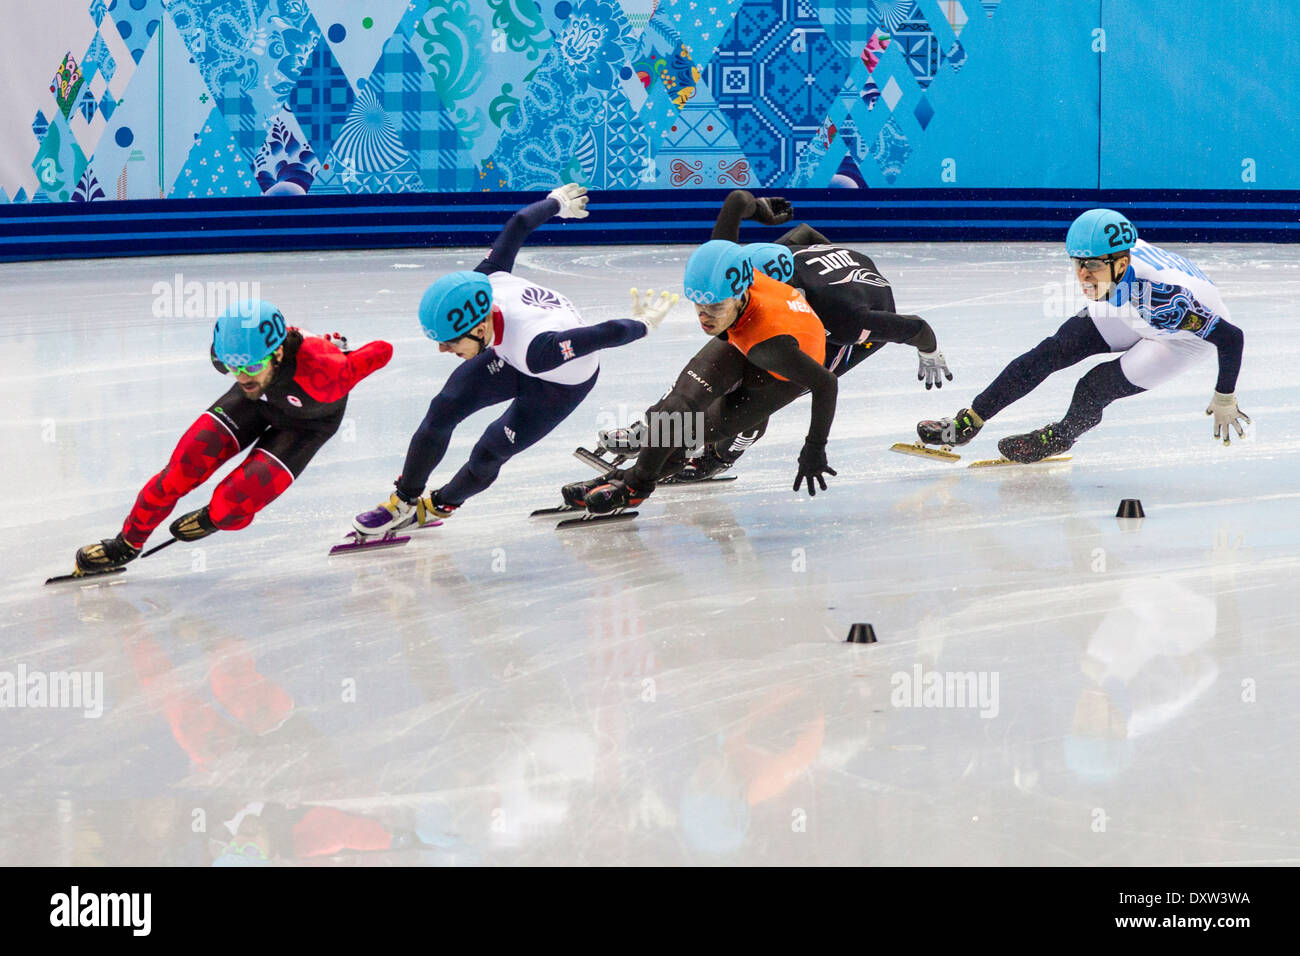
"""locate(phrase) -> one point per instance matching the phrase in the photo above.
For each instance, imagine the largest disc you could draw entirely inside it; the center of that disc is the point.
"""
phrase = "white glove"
(1227, 414)
(572, 199)
(931, 365)
(651, 311)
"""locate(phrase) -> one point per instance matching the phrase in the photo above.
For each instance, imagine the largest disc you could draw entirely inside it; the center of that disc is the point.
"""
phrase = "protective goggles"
(250, 851)
(1092, 265)
(255, 369)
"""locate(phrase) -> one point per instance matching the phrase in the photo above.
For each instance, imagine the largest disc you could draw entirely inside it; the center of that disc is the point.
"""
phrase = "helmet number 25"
(273, 329)
(1119, 233)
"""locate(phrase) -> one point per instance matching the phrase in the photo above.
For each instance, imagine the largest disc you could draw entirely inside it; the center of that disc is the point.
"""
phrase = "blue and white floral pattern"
(592, 43)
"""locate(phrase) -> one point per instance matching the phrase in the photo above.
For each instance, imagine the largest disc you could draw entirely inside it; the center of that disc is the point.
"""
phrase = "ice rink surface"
(674, 689)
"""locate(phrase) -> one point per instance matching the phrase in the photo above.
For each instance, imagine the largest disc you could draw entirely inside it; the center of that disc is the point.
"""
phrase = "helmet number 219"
(471, 314)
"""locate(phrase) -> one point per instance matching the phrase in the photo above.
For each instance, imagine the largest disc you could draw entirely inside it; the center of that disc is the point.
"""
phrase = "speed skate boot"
(391, 516)
(958, 430)
(192, 526)
(435, 508)
(615, 494)
(575, 493)
(626, 442)
(1035, 445)
(703, 466)
(106, 555)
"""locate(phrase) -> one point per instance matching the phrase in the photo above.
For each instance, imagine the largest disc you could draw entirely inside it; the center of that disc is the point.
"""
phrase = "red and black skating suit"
(296, 414)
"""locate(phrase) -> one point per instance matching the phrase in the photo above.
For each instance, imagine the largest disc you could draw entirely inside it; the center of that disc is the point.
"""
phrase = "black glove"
(772, 211)
(812, 464)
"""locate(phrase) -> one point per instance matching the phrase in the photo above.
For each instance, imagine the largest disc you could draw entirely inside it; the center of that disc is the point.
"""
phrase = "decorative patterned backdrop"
(136, 99)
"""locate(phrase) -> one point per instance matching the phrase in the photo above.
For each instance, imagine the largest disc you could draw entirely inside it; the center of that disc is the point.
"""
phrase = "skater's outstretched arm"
(327, 373)
(781, 354)
(550, 350)
(881, 327)
(567, 202)
(1230, 341)
(895, 327)
(740, 205)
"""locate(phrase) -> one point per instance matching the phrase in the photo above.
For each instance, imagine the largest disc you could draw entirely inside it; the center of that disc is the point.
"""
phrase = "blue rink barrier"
(282, 224)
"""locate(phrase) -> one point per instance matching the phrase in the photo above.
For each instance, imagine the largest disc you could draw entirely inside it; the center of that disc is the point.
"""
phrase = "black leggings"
(719, 387)
(1074, 341)
(731, 447)
(536, 407)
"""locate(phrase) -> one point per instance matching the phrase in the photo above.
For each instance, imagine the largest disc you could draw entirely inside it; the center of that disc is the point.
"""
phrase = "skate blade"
(369, 544)
(158, 547)
(992, 462)
(602, 465)
(590, 519)
(80, 575)
(560, 510)
(703, 481)
(922, 451)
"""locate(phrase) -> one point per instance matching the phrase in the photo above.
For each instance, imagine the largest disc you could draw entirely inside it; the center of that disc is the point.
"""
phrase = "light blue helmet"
(772, 259)
(717, 270)
(247, 332)
(455, 304)
(1099, 233)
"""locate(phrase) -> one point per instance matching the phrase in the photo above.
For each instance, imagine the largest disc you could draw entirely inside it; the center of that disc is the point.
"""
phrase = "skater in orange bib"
(770, 349)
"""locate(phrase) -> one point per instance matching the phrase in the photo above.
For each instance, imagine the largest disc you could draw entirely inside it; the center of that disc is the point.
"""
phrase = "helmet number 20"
(273, 329)
(1119, 233)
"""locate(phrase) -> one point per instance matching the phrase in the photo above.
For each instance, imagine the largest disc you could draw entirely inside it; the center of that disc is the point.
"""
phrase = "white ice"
(676, 688)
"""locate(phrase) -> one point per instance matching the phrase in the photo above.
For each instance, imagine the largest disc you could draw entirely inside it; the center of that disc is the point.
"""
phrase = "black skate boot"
(701, 467)
(614, 495)
(958, 430)
(626, 442)
(106, 555)
(1035, 445)
(575, 493)
(192, 526)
